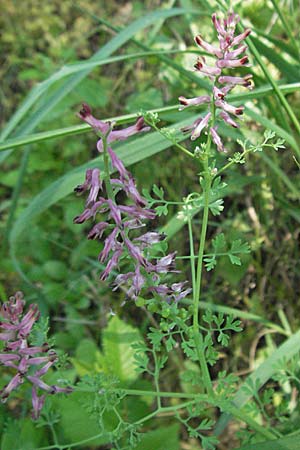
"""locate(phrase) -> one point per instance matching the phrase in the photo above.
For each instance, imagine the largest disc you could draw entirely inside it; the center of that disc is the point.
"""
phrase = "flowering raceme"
(228, 55)
(20, 355)
(119, 220)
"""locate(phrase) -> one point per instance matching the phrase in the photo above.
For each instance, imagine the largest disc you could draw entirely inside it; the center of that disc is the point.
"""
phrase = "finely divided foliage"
(139, 270)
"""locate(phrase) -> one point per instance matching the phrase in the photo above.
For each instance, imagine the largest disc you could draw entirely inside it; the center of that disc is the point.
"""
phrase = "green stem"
(192, 254)
(156, 379)
(198, 397)
(197, 335)
(109, 189)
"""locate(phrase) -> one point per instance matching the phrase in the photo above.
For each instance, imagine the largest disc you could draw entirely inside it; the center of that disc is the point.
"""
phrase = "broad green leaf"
(291, 442)
(21, 434)
(76, 423)
(261, 375)
(118, 339)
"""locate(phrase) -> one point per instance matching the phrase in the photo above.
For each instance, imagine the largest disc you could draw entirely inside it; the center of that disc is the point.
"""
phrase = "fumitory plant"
(135, 264)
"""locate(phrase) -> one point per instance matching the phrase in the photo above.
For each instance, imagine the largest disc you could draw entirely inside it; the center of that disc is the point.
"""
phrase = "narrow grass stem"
(244, 417)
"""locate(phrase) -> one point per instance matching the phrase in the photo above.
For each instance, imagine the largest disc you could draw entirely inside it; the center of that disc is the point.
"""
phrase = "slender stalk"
(197, 335)
(200, 397)
(156, 379)
(109, 189)
(192, 254)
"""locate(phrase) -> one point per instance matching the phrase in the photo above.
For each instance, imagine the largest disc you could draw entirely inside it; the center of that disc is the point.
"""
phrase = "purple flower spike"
(165, 264)
(87, 183)
(112, 263)
(237, 111)
(150, 238)
(37, 403)
(96, 186)
(243, 81)
(217, 140)
(207, 70)
(132, 192)
(228, 55)
(226, 117)
(121, 135)
(109, 244)
(208, 47)
(97, 230)
(18, 353)
(115, 212)
(134, 252)
(86, 114)
(200, 126)
(117, 164)
(232, 63)
(186, 102)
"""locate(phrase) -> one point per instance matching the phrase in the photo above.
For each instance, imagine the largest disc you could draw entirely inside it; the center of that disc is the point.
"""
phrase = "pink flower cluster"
(19, 355)
(228, 55)
(120, 219)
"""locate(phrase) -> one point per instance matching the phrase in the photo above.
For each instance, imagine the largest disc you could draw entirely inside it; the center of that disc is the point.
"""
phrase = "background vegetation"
(56, 55)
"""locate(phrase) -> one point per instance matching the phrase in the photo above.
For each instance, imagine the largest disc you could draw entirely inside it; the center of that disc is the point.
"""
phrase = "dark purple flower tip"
(227, 119)
(208, 47)
(240, 37)
(86, 114)
(237, 111)
(87, 183)
(13, 384)
(85, 111)
(83, 217)
(207, 70)
(232, 63)
(186, 102)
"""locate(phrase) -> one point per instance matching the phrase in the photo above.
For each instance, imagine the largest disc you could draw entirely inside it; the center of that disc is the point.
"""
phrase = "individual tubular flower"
(228, 55)
(117, 220)
(24, 358)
